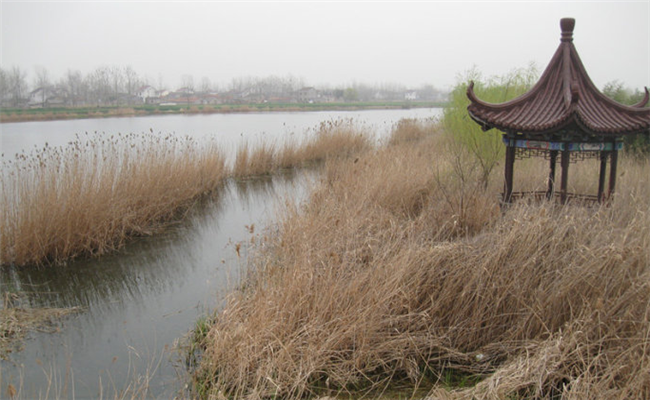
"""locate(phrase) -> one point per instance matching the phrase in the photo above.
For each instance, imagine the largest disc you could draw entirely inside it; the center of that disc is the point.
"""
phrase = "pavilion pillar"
(551, 175)
(601, 176)
(612, 171)
(564, 183)
(509, 172)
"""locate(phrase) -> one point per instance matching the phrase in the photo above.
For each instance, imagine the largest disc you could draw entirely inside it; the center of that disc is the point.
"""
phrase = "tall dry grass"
(401, 267)
(88, 198)
(339, 138)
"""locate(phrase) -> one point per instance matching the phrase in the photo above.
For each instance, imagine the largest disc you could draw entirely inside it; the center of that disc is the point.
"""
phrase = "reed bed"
(92, 196)
(402, 268)
(412, 130)
(88, 198)
(338, 138)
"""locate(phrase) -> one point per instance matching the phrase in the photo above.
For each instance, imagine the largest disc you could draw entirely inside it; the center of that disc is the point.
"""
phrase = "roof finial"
(567, 25)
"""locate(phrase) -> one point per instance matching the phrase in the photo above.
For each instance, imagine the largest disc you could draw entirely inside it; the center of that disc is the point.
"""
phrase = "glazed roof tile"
(564, 98)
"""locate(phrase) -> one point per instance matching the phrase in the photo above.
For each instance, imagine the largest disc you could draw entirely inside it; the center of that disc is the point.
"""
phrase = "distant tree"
(350, 94)
(364, 92)
(42, 82)
(4, 86)
(99, 84)
(17, 85)
(161, 82)
(206, 85)
(638, 144)
(187, 82)
(116, 78)
(131, 82)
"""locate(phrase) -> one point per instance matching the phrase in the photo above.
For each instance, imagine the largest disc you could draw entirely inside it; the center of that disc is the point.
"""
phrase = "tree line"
(103, 86)
(121, 85)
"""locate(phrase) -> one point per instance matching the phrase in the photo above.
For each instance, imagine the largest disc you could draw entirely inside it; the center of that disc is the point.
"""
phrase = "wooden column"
(551, 175)
(510, 163)
(601, 176)
(612, 171)
(565, 174)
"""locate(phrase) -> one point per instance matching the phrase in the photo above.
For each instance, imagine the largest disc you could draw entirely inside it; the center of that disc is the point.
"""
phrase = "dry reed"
(401, 267)
(88, 198)
(409, 130)
(340, 138)
(16, 322)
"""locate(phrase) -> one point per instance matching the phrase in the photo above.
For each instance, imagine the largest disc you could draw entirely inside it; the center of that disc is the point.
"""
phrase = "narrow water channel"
(137, 303)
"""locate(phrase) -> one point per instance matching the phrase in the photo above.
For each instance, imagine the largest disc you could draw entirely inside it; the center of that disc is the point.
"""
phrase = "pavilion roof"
(563, 99)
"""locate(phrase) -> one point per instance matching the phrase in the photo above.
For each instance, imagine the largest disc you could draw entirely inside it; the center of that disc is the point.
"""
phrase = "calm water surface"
(139, 302)
(228, 129)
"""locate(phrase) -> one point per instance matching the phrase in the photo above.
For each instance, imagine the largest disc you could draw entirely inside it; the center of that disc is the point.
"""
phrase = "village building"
(47, 97)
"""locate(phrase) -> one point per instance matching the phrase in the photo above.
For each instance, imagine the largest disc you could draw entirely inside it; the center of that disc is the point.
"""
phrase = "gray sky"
(335, 43)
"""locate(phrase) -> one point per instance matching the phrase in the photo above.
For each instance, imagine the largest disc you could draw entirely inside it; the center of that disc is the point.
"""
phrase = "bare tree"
(4, 86)
(74, 85)
(206, 85)
(42, 83)
(17, 85)
(187, 81)
(131, 82)
(99, 85)
(117, 83)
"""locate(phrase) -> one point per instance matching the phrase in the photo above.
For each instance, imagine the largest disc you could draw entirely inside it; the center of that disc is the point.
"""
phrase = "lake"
(138, 302)
(228, 129)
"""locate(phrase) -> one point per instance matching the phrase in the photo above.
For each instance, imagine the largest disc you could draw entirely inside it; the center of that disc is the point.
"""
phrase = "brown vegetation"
(401, 267)
(341, 138)
(17, 321)
(90, 197)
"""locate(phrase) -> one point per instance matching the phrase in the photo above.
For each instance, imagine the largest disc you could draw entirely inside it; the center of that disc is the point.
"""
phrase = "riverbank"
(61, 113)
(400, 271)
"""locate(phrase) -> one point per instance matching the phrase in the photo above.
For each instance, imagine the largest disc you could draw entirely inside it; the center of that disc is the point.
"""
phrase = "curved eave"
(570, 122)
(563, 95)
(644, 101)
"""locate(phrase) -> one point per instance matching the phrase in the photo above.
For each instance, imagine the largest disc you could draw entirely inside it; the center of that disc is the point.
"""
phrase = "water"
(139, 302)
(228, 130)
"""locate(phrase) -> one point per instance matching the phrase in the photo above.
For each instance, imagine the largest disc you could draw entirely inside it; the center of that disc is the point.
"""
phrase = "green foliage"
(486, 147)
(351, 94)
(455, 379)
(639, 144)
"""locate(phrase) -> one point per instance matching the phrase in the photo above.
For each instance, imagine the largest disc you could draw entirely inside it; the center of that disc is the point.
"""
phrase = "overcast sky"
(334, 43)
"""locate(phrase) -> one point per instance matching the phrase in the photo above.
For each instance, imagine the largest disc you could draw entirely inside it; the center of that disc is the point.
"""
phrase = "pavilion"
(565, 114)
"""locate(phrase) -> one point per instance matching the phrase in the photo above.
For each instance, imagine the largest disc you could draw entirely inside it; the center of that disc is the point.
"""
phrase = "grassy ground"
(402, 269)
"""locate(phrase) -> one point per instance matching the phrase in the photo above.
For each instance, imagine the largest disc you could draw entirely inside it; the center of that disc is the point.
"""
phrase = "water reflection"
(139, 301)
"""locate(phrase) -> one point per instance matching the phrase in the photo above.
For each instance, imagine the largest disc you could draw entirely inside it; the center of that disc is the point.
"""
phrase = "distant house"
(148, 94)
(211, 98)
(326, 96)
(46, 97)
(412, 95)
(307, 95)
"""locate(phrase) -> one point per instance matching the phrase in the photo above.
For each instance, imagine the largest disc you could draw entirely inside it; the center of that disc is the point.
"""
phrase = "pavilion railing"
(571, 198)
